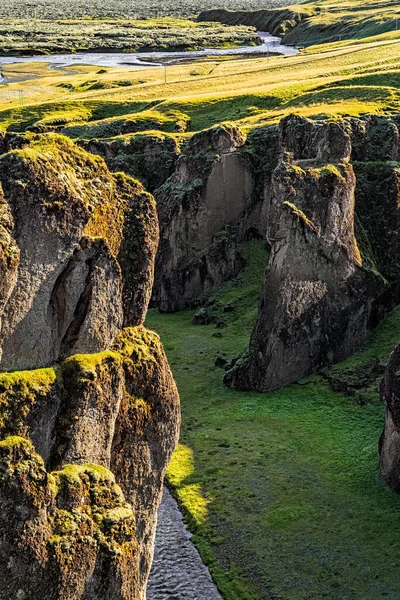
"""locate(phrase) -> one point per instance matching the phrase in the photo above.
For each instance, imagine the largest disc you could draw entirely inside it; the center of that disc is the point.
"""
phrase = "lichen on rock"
(69, 534)
(86, 238)
(316, 300)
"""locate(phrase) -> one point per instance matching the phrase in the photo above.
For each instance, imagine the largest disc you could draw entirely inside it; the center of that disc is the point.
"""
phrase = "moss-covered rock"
(146, 431)
(208, 192)
(87, 242)
(117, 409)
(317, 299)
(65, 535)
(148, 157)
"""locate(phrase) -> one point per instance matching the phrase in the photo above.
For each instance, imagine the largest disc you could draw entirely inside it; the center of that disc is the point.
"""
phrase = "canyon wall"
(324, 196)
(89, 411)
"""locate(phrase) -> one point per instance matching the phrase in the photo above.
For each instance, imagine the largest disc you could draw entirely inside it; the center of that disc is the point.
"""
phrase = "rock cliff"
(389, 445)
(150, 158)
(320, 293)
(199, 209)
(89, 415)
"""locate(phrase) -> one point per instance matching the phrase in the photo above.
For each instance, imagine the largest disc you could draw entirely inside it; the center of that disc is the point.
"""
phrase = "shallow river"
(108, 59)
(178, 572)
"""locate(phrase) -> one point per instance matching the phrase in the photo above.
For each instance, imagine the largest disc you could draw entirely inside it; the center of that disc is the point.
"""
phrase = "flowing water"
(151, 59)
(178, 572)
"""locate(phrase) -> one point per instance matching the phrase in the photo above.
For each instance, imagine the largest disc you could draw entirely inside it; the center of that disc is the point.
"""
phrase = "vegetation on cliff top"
(316, 21)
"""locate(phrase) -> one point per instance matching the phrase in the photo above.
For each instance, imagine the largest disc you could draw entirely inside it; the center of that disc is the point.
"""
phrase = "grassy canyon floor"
(282, 490)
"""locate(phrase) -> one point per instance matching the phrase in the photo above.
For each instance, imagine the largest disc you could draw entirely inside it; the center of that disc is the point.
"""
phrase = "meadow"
(282, 490)
(343, 78)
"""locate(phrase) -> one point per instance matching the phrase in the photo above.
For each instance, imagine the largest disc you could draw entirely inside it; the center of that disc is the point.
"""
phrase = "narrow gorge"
(90, 411)
(199, 300)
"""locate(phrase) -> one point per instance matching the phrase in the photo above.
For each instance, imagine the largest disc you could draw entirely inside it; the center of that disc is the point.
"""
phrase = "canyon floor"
(288, 482)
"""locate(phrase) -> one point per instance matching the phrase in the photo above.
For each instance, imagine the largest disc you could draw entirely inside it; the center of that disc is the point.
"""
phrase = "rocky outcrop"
(149, 158)
(199, 209)
(68, 534)
(78, 230)
(146, 430)
(317, 299)
(389, 445)
(218, 199)
(87, 438)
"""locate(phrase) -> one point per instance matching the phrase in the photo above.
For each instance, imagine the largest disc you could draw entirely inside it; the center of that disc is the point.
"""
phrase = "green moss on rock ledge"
(21, 392)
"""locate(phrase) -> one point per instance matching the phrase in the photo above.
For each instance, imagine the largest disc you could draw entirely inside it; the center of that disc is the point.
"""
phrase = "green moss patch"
(20, 392)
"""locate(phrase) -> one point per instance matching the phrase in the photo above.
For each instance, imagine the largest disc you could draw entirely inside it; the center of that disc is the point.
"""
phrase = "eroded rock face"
(149, 158)
(64, 535)
(147, 422)
(389, 445)
(316, 300)
(9, 255)
(77, 248)
(198, 207)
(118, 410)
(78, 231)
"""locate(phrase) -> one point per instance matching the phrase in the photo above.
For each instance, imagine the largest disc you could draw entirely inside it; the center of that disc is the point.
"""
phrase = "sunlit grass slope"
(282, 490)
(336, 79)
(316, 21)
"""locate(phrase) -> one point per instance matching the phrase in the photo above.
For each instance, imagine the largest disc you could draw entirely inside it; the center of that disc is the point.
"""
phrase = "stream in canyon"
(178, 572)
(270, 44)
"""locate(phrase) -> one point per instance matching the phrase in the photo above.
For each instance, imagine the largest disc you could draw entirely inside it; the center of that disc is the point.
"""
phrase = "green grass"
(318, 21)
(334, 80)
(282, 490)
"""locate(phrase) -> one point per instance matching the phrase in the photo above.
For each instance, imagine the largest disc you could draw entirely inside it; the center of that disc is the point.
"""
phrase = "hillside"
(311, 23)
(346, 78)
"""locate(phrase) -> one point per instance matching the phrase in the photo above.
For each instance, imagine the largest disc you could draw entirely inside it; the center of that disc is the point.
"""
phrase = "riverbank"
(269, 45)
